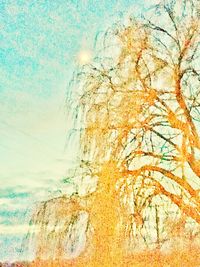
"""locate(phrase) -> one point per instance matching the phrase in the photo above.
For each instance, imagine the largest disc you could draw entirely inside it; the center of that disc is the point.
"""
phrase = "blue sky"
(40, 44)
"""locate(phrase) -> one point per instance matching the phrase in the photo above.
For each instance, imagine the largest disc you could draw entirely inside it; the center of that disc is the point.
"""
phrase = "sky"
(42, 43)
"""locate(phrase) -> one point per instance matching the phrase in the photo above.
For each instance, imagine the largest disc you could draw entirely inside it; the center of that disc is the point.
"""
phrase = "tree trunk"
(105, 220)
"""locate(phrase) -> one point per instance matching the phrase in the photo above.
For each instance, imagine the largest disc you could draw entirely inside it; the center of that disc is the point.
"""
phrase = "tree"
(139, 116)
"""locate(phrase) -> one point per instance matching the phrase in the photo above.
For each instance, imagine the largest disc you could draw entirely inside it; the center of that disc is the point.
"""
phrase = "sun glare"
(84, 57)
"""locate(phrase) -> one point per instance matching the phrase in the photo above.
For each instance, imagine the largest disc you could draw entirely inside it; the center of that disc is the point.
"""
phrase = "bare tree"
(141, 112)
(139, 120)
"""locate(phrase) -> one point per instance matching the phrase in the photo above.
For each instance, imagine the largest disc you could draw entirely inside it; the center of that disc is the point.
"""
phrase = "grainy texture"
(137, 114)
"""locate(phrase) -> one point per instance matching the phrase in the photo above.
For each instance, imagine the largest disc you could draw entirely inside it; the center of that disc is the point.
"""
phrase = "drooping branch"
(181, 182)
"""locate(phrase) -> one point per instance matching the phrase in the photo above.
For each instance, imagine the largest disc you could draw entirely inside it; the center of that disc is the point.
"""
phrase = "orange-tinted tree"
(138, 116)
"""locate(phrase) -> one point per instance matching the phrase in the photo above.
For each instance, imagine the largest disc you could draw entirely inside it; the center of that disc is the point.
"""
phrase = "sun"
(84, 57)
